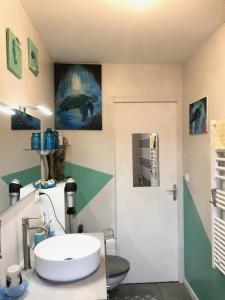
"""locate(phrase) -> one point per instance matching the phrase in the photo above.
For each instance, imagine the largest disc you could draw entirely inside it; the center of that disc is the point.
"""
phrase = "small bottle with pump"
(49, 139)
(39, 235)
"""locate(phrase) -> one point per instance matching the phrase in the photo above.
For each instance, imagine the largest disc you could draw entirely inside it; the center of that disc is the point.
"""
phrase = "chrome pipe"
(26, 247)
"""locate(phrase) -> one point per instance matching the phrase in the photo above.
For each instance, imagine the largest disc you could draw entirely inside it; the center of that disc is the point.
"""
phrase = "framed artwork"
(78, 96)
(32, 57)
(23, 121)
(14, 54)
(198, 117)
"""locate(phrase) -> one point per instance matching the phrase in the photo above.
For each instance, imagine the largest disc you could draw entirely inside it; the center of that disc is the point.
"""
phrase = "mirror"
(14, 161)
(145, 150)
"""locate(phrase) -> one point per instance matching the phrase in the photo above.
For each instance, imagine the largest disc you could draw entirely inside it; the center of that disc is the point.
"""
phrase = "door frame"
(180, 223)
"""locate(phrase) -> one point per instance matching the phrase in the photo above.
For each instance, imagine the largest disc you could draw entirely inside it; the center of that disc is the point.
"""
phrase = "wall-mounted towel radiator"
(218, 200)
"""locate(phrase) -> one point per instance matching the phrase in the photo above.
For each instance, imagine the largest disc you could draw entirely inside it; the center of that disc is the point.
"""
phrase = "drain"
(68, 258)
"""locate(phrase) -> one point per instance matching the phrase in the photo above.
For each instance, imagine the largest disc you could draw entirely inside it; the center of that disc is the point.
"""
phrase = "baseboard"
(190, 291)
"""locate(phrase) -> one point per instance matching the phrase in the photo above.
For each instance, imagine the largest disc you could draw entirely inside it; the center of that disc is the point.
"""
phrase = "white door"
(147, 216)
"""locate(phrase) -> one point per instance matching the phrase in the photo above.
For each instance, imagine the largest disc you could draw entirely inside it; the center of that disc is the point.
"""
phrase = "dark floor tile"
(138, 290)
(173, 291)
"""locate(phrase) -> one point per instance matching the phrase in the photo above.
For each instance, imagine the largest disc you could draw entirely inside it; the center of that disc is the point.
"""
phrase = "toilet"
(116, 268)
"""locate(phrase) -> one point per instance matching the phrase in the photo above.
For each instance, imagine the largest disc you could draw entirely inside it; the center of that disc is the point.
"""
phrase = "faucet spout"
(26, 247)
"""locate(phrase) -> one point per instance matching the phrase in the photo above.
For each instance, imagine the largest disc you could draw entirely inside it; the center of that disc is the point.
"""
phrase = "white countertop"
(90, 288)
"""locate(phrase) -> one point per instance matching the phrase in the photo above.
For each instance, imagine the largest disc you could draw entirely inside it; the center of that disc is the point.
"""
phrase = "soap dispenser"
(39, 235)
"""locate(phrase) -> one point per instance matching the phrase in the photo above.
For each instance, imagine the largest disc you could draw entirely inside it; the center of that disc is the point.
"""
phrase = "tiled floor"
(161, 291)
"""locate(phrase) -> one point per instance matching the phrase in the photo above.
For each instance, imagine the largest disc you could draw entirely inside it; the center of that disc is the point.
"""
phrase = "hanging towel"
(219, 135)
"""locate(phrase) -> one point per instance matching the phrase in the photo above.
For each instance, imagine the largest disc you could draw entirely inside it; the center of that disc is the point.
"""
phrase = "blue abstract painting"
(78, 96)
(198, 117)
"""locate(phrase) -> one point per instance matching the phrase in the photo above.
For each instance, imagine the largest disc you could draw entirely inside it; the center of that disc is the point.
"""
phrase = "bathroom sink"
(67, 257)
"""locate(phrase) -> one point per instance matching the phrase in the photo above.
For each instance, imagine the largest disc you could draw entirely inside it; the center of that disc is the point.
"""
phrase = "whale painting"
(78, 97)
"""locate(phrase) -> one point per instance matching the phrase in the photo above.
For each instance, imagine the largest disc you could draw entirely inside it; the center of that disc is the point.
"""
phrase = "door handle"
(174, 191)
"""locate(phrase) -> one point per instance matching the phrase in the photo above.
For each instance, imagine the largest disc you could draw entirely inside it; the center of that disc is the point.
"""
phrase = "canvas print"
(78, 96)
(23, 121)
(198, 117)
(14, 54)
(33, 57)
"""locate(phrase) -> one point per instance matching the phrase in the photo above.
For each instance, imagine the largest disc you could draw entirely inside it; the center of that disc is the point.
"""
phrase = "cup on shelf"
(14, 281)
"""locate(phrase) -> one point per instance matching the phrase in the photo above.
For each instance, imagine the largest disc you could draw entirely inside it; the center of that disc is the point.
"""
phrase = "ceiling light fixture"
(140, 3)
(44, 109)
(134, 3)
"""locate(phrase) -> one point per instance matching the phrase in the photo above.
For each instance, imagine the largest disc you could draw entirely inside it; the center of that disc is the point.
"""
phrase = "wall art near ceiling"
(32, 57)
(23, 121)
(14, 54)
(78, 96)
(198, 117)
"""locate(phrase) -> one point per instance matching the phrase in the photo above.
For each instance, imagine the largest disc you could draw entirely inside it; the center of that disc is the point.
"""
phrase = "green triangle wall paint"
(206, 282)
(25, 176)
(89, 182)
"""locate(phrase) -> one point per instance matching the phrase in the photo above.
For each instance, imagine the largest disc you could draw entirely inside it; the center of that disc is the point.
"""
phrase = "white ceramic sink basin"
(67, 257)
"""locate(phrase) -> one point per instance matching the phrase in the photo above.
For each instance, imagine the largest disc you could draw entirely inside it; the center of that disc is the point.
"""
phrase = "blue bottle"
(56, 136)
(49, 139)
(39, 236)
(36, 141)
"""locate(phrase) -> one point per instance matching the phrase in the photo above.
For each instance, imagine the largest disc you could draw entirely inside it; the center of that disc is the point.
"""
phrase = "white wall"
(95, 149)
(11, 233)
(30, 90)
(92, 149)
(204, 75)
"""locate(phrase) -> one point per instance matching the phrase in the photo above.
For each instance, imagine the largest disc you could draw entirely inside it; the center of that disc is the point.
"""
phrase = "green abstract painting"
(33, 57)
(14, 54)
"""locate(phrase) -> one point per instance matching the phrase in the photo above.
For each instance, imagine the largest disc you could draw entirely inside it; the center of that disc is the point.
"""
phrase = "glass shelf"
(43, 151)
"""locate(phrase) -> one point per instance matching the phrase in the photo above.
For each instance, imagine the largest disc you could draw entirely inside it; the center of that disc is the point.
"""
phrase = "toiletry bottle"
(49, 139)
(50, 227)
(60, 139)
(56, 137)
(39, 235)
(36, 141)
(51, 231)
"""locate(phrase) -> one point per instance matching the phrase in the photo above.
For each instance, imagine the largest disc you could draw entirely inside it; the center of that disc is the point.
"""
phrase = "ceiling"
(124, 31)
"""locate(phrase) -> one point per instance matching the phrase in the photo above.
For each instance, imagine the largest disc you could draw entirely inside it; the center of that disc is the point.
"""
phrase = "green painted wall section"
(25, 176)
(206, 282)
(89, 183)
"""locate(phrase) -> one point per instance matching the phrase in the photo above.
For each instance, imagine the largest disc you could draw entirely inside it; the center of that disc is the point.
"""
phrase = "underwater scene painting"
(198, 117)
(23, 121)
(78, 96)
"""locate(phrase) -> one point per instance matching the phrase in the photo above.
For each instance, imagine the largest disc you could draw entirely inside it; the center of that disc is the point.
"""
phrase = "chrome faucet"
(26, 247)
(0, 240)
